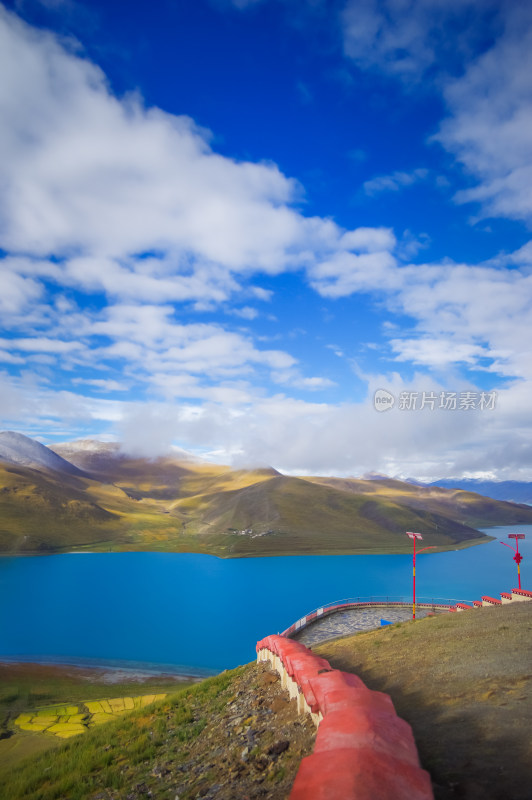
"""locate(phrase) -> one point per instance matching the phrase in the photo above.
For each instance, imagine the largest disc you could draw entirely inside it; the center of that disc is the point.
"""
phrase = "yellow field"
(67, 721)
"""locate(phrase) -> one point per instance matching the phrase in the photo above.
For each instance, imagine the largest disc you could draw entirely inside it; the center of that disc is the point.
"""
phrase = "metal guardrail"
(434, 603)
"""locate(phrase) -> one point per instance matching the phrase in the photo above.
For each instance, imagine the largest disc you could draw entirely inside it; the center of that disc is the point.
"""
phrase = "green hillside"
(292, 515)
(464, 507)
(43, 511)
(121, 503)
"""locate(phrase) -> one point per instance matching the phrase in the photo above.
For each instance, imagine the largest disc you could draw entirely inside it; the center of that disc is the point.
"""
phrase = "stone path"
(352, 620)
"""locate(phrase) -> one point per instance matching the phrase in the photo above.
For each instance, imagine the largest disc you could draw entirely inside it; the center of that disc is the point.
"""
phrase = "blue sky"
(225, 225)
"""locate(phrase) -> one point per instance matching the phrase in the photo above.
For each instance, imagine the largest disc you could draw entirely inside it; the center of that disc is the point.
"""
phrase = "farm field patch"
(67, 721)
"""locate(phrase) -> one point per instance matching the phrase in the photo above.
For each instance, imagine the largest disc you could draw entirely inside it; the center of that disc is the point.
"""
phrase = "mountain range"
(89, 495)
(513, 491)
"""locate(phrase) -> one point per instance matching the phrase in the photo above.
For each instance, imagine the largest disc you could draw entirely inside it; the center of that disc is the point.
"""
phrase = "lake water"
(201, 614)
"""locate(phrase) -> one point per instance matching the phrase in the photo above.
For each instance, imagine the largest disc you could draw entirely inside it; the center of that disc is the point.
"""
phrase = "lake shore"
(103, 673)
(274, 553)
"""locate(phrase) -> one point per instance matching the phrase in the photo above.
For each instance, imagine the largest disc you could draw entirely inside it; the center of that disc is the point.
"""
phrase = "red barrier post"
(415, 536)
(518, 557)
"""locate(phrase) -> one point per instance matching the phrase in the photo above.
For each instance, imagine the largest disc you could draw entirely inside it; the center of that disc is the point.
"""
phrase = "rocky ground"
(254, 747)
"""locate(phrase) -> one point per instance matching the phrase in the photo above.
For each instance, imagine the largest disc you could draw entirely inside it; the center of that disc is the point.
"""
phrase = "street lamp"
(518, 557)
(415, 536)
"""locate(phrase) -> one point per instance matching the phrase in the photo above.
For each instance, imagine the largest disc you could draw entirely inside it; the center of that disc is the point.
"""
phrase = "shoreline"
(485, 539)
(111, 671)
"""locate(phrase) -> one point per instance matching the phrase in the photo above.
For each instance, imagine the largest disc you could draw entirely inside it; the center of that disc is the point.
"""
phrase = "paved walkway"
(353, 620)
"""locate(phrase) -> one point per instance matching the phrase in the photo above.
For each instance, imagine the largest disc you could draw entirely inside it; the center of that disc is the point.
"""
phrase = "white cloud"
(246, 312)
(17, 292)
(133, 199)
(135, 205)
(85, 171)
(437, 353)
(315, 384)
(490, 124)
(298, 436)
(479, 53)
(152, 340)
(477, 305)
(293, 377)
(394, 182)
(9, 358)
(347, 273)
(406, 38)
(261, 294)
(368, 240)
(41, 345)
(102, 384)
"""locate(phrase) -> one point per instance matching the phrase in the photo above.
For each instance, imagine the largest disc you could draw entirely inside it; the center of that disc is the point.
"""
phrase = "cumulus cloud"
(246, 312)
(101, 195)
(436, 353)
(102, 384)
(17, 291)
(406, 38)
(481, 52)
(295, 435)
(394, 182)
(134, 199)
(316, 438)
(83, 170)
(475, 305)
(130, 207)
(490, 124)
(347, 273)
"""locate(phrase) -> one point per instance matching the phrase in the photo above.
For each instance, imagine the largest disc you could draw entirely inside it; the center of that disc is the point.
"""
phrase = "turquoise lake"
(200, 614)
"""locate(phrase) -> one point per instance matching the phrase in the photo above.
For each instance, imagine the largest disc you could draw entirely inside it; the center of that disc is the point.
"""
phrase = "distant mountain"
(91, 496)
(89, 455)
(15, 448)
(105, 459)
(513, 491)
(465, 507)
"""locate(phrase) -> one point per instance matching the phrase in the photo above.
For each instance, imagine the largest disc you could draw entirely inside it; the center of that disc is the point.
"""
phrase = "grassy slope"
(463, 682)
(24, 687)
(136, 504)
(94, 759)
(465, 507)
(43, 512)
(217, 733)
(307, 518)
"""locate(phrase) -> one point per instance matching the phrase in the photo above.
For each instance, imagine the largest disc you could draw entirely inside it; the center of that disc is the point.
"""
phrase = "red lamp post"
(518, 557)
(415, 536)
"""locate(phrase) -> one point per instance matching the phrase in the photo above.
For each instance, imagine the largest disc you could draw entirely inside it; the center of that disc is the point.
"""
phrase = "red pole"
(518, 564)
(415, 536)
(518, 556)
(414, 584)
